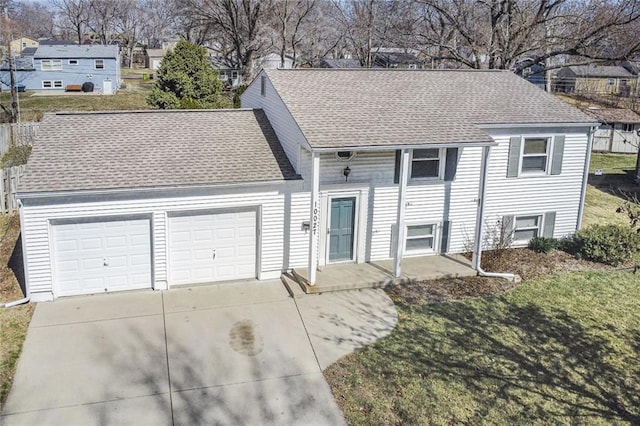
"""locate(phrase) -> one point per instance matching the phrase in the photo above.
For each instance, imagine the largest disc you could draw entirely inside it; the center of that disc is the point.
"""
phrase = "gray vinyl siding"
(37, 234)
(283, 124)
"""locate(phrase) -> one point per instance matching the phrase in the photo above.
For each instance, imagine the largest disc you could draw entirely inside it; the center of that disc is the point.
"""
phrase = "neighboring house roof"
(142, 149)
(19, 64)
(341, 63)
(369, 107)
(77, 51)
(52, 42)
(604, 71)
(29, 51)
(390, 58)
(156, 53)
(614, 115)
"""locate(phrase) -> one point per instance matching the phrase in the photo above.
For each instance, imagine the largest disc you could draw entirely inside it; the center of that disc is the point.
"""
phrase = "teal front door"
(341, 229)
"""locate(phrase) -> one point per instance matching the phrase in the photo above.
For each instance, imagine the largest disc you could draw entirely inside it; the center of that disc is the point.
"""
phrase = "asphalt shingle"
(77, 51)
(355, 108)
(142, 149)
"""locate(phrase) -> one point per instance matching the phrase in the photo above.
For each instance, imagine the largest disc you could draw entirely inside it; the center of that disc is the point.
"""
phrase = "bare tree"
(74, 16)
(33, 19)
(290, 19)
(239, 27)
(158, 20)
(499, 33)
(366, 24)
(103, 16)
(129, 21)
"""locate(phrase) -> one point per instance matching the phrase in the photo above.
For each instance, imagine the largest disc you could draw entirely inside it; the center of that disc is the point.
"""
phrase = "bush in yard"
(186, 80)
(610, 244)
(543, 244)
(236, 96)
(16, 155)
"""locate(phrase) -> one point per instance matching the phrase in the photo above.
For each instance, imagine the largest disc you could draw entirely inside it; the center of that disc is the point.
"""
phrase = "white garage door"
(99, 256)
(212, 247)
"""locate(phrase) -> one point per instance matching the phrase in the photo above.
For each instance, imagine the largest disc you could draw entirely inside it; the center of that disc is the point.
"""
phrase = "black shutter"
(446, 231)
(451, 164)
(513, 168)
(396, 171)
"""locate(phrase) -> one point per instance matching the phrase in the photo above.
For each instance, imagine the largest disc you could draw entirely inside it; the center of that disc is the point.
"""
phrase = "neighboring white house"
(273, 61)
(619, 132)
(326, 166)
(153, 58)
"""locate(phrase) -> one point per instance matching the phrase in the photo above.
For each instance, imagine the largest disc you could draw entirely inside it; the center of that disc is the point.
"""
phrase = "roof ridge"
(152, 111)
(385, 69)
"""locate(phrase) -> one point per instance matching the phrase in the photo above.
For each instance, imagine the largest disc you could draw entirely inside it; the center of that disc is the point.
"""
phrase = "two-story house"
(321, 167)
(59, 67)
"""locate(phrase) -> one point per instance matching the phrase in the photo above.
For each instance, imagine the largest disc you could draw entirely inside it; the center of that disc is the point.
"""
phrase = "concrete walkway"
(237, 353)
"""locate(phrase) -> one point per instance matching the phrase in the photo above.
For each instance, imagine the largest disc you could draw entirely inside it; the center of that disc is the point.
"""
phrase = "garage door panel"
(231, 234)
(93, 256)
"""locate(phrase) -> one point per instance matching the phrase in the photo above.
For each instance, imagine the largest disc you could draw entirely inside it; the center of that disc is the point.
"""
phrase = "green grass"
(604, 192)
(560, 350)
(613, 164)
(33, 107)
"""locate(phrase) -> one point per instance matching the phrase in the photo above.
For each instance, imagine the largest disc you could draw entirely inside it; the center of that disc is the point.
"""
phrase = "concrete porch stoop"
(352, 276)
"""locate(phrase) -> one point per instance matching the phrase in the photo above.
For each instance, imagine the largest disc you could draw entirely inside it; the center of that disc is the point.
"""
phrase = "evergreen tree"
(186, 80)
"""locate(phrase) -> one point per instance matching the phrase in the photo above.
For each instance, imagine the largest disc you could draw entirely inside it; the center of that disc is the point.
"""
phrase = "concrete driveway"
(238, 353)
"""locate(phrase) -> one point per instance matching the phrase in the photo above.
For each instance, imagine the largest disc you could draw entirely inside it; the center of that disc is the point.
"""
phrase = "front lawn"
(564, 349)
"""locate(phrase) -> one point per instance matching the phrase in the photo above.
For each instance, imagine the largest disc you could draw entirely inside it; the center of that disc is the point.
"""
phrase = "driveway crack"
(166, 351)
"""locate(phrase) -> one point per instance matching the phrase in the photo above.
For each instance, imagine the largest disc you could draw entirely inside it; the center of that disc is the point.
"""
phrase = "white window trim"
(539, 228)
(551, 139)
(95, 64)
(435, 233)
(50, 62)
(441, 166)
(53, 84)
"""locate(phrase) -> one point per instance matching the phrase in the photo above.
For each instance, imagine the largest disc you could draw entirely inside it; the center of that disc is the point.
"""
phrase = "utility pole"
(12, 70)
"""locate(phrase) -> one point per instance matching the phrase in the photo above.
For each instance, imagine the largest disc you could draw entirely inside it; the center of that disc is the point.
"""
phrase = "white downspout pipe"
(585, 178)
(27, 290)
(477, 252)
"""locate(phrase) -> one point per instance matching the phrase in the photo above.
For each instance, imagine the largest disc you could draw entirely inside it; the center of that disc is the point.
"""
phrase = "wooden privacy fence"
(24, 133)
(8, 187)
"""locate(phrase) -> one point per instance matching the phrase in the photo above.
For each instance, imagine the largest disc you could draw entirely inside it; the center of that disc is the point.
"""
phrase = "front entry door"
(341, 229)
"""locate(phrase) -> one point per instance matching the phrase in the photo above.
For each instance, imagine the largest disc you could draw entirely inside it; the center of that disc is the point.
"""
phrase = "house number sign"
(314, 225)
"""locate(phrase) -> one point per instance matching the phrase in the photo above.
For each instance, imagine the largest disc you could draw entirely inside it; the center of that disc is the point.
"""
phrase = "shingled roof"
(356, 108)
(614, 115)
(142, 149)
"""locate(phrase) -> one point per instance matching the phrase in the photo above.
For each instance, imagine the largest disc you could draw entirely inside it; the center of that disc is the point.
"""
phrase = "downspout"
(585, 178)
(27, 290)
(477, 253)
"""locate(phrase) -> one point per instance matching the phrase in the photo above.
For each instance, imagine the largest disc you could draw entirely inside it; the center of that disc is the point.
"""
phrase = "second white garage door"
(212, 247)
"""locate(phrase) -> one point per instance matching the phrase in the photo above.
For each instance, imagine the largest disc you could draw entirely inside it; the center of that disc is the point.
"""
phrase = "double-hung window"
(526, 228)
(99, 64)
(51, 65)
(52, 84)
(535, 155)
(420, 238)
(425, 163)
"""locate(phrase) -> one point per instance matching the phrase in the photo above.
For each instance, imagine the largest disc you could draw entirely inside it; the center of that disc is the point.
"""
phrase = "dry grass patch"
(14, 321)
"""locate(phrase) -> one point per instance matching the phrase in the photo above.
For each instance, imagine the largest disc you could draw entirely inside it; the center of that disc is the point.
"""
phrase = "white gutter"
(585, 178)
(323, 150)
(27, 290)
(477, 252)
(157, 189)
